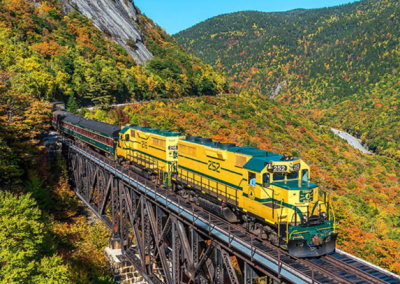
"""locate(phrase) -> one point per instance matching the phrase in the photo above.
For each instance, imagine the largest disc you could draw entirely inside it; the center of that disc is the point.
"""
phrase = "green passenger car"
(99, 135)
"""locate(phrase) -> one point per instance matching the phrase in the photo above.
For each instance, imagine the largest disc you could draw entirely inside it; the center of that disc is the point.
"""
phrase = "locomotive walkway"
(169, 240)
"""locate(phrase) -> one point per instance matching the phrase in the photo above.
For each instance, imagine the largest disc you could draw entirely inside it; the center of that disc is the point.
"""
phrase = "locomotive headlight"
(322, 216)
(304, 219)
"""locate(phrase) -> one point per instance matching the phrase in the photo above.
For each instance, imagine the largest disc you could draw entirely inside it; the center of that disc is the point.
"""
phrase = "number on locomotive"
(296, 167)
(279, 168)
(213, 166)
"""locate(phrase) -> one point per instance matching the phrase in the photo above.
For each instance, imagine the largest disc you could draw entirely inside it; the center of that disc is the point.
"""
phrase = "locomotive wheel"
(273, 238)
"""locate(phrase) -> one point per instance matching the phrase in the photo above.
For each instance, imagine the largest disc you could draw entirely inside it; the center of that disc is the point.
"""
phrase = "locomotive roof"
(260, 158)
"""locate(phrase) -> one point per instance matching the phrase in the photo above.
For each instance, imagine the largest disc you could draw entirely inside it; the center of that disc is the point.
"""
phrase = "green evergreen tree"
(72, 105)
(21, 236)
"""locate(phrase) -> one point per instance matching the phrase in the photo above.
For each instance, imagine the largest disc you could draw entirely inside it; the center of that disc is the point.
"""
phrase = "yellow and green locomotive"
(150, 152)
(269, 194)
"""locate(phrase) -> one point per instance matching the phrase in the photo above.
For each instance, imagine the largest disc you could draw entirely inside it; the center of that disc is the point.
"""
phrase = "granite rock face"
(117, 19)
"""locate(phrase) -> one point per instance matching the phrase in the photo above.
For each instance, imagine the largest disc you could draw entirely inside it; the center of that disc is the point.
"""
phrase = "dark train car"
(100, 135)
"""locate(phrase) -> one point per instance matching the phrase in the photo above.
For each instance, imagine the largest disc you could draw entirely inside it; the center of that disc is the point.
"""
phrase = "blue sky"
(177, 15)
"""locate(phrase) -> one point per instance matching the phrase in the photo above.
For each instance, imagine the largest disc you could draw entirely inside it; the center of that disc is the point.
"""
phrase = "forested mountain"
(46, 55)
(68, 57)
(339, 66)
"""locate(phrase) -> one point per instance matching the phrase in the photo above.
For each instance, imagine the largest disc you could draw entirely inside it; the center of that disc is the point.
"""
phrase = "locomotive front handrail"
(334, 217)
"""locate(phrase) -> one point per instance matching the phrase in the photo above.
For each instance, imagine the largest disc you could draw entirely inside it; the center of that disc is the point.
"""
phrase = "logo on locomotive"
(306, 195)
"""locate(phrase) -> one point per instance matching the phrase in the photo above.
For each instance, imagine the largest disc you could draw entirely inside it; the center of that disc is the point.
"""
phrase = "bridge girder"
(158, 243)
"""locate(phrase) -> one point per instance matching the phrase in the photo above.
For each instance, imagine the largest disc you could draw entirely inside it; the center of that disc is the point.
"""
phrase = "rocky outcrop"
(275, 90)
(118, 20)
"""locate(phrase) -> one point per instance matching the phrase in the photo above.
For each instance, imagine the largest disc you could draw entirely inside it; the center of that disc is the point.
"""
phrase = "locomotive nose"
(316, 240)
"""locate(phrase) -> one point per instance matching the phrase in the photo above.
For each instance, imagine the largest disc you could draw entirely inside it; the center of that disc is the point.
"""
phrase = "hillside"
(369, 224)
(46, 55)
(339, 66)
(67, 57)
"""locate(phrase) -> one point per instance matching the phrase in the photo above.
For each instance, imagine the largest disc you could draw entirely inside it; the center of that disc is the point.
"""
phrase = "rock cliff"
(118, 20)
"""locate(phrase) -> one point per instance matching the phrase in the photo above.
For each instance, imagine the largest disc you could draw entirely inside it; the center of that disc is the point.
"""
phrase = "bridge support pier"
(114, 243)
(122, 271)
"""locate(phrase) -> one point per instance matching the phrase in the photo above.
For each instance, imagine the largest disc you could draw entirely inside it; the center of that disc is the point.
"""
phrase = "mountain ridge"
(330, 58)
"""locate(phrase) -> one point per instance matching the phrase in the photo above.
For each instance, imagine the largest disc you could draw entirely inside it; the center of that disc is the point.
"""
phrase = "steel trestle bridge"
(170, 240)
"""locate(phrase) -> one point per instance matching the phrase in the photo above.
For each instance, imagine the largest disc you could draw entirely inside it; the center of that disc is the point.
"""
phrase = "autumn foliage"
(339, 66)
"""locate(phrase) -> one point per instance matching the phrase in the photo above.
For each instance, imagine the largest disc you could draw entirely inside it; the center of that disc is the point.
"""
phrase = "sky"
(178, 15)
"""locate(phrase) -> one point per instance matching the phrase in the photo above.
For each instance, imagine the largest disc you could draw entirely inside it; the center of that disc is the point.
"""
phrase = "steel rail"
(361, 274)
(362, 268)
(327, 270)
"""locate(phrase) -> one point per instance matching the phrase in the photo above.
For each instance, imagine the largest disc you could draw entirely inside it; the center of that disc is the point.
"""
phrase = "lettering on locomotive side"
(144, 144)
(214, 166)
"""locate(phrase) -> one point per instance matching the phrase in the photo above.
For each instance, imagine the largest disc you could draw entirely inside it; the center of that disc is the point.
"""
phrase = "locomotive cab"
(291, 203)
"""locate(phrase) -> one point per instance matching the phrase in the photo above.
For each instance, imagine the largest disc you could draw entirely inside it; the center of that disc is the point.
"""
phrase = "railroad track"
(352, 270)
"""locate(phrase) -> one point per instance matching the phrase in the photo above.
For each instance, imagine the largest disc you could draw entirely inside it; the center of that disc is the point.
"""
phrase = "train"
(269, 194)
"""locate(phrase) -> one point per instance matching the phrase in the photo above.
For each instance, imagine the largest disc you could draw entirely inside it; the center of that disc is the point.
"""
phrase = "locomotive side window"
(127, 137)
(252, 179)
(304, 175)
(266, 179)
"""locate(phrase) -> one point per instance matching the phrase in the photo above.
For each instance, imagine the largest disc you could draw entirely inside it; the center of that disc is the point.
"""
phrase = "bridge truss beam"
(166, 238)
(160, 246)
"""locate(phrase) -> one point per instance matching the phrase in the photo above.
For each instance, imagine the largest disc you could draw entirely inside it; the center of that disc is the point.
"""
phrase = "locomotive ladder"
(169, 240)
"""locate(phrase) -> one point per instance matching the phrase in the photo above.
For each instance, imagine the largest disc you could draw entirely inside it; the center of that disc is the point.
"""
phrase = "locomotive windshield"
(278, 176)
(292, 175)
